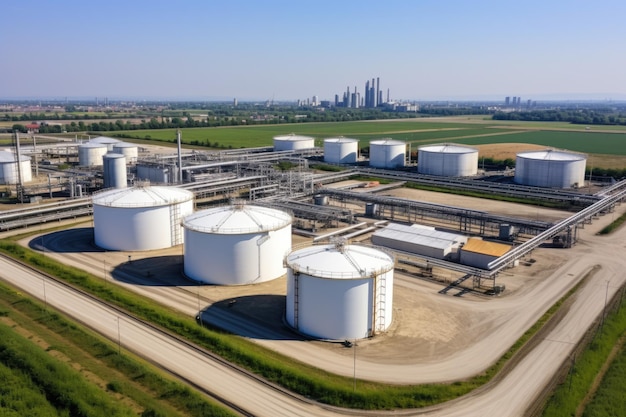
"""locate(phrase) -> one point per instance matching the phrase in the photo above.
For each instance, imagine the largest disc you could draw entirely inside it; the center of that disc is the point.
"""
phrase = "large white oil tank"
(293, 142)
(114, 170)
(129, 150)
(387, 153)
(9, 168)
(236, 245)
(447, 159)
(339, 291)
(140, 218)
(90, 154)
(105, 140)
(550, 168)
(341, 150)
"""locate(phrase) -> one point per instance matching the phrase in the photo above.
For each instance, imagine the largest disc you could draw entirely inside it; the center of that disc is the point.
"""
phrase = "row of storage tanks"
(544, 168)
(334, 291)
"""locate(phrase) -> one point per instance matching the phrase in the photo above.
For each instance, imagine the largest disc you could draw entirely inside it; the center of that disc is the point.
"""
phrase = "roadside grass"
(65, 390)
(609, 399)
(129, 380)
(303, 379)
(613, 226)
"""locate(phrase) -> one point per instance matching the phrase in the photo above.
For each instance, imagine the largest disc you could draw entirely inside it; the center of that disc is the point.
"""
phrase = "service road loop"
(511, 396)
(233, 386)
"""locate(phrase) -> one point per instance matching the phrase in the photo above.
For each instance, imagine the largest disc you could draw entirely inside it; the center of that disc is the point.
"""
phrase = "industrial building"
(339, 291)
(550, 168)
(447, 160)
(420, 240)
(480, 253)
(236, 244)
(387, 153)
(140, 218)
(341, 150)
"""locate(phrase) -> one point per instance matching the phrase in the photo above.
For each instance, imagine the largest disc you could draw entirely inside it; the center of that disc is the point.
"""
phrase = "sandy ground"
(427, 325)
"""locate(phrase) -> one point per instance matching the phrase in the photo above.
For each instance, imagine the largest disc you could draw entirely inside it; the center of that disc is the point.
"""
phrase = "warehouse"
(420, 240)
(479, 253)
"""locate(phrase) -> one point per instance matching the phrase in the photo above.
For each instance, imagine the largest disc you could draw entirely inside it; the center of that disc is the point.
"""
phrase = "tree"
(20, 128)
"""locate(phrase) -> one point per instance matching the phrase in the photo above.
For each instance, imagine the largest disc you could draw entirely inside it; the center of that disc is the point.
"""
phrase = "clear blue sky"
(259, 49)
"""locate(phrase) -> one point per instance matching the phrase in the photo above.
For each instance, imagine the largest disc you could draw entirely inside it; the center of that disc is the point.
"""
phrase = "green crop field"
(587, 142)
(416, 133)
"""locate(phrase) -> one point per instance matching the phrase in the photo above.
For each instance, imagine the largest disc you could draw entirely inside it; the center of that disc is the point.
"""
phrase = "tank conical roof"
(340, 261)
(237, 219)
(152, 196)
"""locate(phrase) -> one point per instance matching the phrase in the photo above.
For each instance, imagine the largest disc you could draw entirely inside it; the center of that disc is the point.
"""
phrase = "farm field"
(417, 133)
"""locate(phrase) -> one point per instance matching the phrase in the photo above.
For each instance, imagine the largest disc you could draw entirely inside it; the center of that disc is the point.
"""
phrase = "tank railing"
(266, 227)
(320, 273)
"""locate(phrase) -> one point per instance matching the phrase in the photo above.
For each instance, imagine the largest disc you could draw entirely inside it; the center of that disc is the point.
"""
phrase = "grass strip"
(64, 388)
(153, 391)
(613, 226)
(298, 377)
(609, 399)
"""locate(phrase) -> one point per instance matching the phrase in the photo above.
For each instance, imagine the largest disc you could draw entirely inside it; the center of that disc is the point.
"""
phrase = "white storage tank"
(387, 153)
(140, 218)
(341, 150)
(293, 142)
(236, 245)
(114, 170)
(550, 168)
(9, 168)
(447, 160)
(129, 150)
(104, 140)
(339, 291)
(90, 154)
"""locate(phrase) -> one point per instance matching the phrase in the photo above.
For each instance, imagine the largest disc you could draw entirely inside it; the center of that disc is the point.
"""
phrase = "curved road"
(510, 397)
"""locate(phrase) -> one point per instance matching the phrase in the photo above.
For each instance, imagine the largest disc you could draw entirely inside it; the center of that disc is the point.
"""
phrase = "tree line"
(575, 116)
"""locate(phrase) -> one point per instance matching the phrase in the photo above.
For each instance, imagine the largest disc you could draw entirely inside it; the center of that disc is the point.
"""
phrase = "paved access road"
(510, 397)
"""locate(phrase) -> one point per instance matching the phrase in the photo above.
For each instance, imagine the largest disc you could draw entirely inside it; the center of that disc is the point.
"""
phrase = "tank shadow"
(66, 241)
(158, 271)
(254, 316)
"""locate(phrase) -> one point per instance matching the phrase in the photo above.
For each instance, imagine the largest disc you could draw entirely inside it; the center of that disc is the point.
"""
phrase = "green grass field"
(416, 133)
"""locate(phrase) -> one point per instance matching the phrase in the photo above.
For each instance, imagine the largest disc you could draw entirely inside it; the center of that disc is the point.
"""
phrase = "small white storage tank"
(90, 154)
(129, 150)
(550, 168)
(9, 168)
(236, 245)
(104, 140)
(114, 167)
(339, 291)
(341, 150)
(293, 142)
(387, 153)
(447, 160)
(140, 218)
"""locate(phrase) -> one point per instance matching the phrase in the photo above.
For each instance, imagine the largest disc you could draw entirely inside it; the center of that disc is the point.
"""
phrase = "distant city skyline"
(287, 51)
